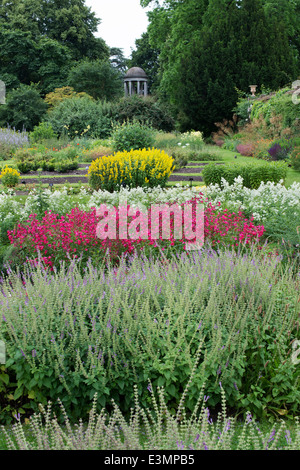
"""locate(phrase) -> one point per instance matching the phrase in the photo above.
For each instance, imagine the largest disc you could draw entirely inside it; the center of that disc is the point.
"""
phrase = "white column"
(138, 87)
(145, 88)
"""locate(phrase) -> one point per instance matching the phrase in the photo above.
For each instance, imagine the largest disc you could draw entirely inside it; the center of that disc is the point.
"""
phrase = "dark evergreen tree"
(224, 45)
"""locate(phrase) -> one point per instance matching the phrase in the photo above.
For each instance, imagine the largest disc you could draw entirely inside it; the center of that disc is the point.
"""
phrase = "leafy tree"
(212, 47)
(24, 108)
(25, 60)
(146, 57)
(70, 22)
(118, 60)
(288, 14)
(99, 79)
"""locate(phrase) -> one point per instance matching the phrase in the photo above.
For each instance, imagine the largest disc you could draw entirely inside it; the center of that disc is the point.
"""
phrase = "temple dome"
(136, 72)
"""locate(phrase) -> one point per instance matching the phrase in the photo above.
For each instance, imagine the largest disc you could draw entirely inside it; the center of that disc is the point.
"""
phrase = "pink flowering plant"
(55, 238)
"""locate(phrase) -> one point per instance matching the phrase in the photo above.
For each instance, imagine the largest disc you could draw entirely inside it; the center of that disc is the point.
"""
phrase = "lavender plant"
(10, 140)
(153, 428)
(73, 333)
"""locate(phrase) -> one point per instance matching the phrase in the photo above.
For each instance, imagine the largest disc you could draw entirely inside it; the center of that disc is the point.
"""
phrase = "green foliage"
(69, 22)
(98, 79)
(61, 160)
(253, 174)
(285, 231)
(41, 132)
(236, 324)
(180, 157)
(205, 156)
(61, 94)
(295, 158)
(65, 165)
(6, 151)
(206, 54)
(117, 59)
(132, 136)
(26, 60)
(145, 110)
(24, 108)
(279, 104)
(78, 117)
(146, 57)
(26, 167)
(243, 109)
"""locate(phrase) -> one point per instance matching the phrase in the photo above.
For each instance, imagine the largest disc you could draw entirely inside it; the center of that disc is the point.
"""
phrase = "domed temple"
(135, 82)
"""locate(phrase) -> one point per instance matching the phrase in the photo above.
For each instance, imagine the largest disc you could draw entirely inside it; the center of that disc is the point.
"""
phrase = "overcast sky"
(122, 22)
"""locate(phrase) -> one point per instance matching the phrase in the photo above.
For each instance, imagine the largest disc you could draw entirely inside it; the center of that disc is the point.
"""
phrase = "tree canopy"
(210, 48)
(41, 39)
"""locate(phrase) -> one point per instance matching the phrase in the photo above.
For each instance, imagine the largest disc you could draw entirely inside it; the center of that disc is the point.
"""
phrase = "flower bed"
(61, 238)
(200, 320)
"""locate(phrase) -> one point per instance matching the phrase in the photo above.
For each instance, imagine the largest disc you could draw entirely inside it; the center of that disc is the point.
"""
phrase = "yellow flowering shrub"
(144, 168)
(9, 177)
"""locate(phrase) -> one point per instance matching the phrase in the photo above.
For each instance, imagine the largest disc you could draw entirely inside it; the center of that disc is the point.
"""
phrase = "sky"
(122, 22)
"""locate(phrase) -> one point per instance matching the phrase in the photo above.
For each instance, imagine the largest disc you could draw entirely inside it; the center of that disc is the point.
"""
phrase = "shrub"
(10, 140)
(60, 160)
(242, 110)
(144, 110)
(280, 149)
(280, 104)
(79, 117)
(62, 166)
(48, 165)
(180, 157)
(60, 94)
(245, 149)
(253, 174)
(132, 136)
(230, 144)
(204, 157)
(26, 167)
(28, 159)
(261, 148)
(295, 158)
(9, 177)
(94, 153)
(24, 108)
(42, 132)
(148, 168)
